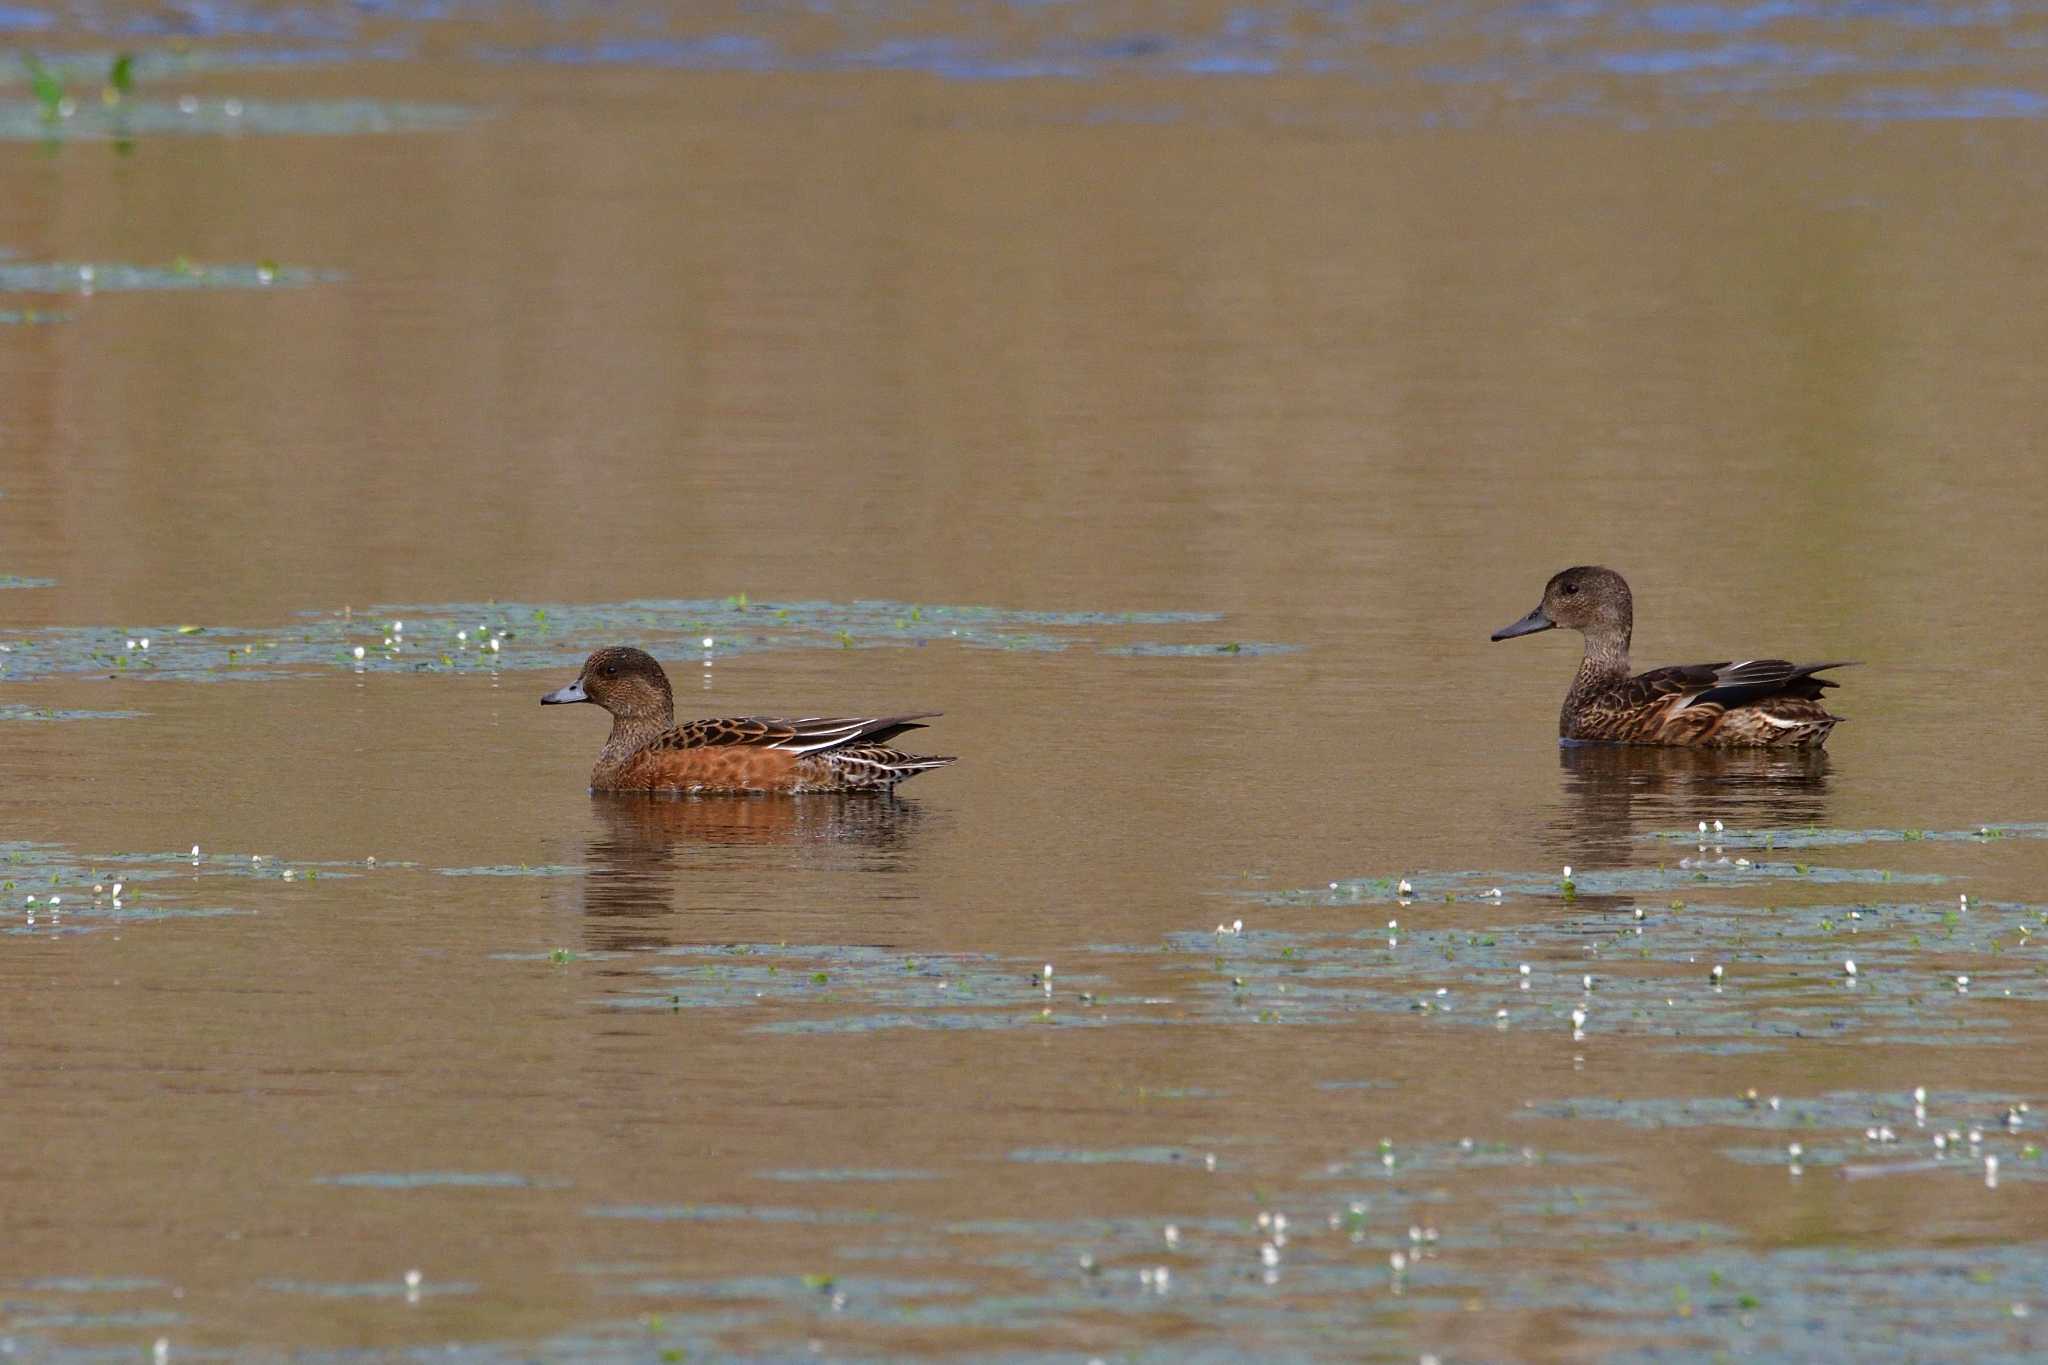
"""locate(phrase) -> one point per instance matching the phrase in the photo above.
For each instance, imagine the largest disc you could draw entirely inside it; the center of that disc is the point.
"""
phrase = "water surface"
(1175, 401)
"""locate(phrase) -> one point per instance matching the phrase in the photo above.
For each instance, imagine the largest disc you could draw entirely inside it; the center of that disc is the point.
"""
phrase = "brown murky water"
(1350, 364)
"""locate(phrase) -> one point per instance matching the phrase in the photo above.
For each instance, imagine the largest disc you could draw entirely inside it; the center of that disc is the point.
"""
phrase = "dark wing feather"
(1754, 680)
(810, 735)
(1679, 680)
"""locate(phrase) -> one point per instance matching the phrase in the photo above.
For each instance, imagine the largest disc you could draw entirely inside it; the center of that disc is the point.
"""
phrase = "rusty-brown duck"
(648, 751)
(1753, 703)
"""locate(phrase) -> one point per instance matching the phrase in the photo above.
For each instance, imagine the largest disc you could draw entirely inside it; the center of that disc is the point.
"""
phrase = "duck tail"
(876, 767)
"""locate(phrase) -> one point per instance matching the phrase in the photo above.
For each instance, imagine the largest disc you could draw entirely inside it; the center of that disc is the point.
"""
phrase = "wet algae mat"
(491, 635)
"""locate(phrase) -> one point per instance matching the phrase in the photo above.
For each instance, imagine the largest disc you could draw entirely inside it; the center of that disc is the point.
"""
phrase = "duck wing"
(812, 734)
(1729, 685)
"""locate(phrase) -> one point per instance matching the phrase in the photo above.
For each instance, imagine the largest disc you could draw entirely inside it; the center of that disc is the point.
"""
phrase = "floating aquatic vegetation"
(484, 636)
(412, 1288)
(32, 1322)
(93, 71)
(841, 1175)
(114, 277)
(1921, 1110)
(1233, 649)
(1437, 1158)
(14, 711)
(50, 890)
(858, 989)
(1430, 67)
(840, 1292)
(1657, 966)
(1813, 836)
(741, 1213)
(1807, 1303)
(522, 870)
(1684, 874)
(191, 116)
(1118, 1156)
(1978, 1136)
(422, 1180)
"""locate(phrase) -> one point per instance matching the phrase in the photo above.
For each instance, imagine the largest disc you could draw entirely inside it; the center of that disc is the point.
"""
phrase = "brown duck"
(1754, 703)
(648, 751)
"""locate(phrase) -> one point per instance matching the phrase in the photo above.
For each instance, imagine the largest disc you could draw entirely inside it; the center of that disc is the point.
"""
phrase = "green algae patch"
(488, 636)
(847, 1175)
(144, 1319)
(88, 1284)
(1683, 875)
(191, 116)
(1248, 649)
(855, 989)
(406, 1290)
(741, 1213)
(1117, 1156)
(434, 1180)
(1810, 1303)
(1632, 954)
(50, 890)
(1814, 836)
(1977, 1136)
(110, 75)
(512, 870)
(115, 277)
(15, 712)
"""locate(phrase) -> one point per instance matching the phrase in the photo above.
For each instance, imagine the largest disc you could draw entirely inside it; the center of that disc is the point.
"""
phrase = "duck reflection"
(644, 846)
(1614, 794)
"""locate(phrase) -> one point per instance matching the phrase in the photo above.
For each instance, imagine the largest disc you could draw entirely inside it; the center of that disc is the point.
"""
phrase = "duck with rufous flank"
(647, 750)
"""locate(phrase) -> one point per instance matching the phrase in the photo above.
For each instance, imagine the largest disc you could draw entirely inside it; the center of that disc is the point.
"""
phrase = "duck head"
(625, 681)
(1590, 599)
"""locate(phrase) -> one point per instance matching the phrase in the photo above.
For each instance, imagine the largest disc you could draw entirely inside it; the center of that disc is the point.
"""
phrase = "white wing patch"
(812, 740)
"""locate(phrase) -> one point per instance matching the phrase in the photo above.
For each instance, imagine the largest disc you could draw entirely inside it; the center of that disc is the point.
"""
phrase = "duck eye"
(1570, 588)
(609, 670)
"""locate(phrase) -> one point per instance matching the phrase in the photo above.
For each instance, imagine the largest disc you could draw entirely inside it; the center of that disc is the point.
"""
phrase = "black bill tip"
(562, 696)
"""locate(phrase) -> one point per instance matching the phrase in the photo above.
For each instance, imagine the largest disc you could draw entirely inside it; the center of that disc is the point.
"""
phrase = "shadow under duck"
(1752, 703)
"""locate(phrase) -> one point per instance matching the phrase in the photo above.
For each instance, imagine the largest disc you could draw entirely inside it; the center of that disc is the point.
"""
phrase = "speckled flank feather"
(861, 768)
(647, 751)
(1753, 703)
(1695, 705)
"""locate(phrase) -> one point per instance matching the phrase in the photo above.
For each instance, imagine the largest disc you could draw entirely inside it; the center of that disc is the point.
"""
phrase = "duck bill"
(1528, 625)
(562, 696)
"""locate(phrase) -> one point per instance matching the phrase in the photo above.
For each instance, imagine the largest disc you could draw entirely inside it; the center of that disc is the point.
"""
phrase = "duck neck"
(631, 734)
(1606, 658)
